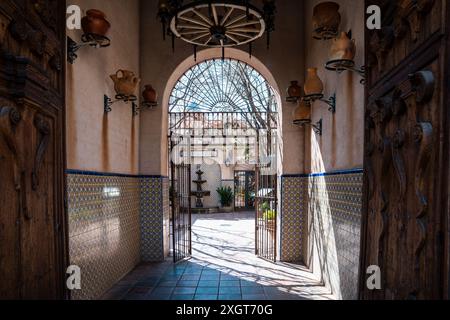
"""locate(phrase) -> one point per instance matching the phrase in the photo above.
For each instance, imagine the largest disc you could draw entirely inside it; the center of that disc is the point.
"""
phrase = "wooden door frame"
(426, 52)
(23, 90)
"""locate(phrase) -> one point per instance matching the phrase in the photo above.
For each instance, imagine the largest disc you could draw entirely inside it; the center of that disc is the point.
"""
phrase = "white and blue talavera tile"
(104, 223)
(152, 215)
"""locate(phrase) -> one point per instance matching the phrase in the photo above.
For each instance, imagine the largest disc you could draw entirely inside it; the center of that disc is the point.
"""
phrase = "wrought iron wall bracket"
(318, 127)
(293, 99)
(135, 109)
(331, 101)
(144, 105)
(91, 40)
(342, 65)
(148, 105)
(108, 102)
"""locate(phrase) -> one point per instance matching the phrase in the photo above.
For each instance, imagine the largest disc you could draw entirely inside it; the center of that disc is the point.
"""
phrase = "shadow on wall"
(322, 250)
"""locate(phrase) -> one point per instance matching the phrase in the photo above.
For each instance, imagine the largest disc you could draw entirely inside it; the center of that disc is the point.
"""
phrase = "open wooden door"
(33, 246)
(405, 215)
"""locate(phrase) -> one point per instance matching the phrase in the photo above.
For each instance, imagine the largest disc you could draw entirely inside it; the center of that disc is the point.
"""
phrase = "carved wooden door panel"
(33, 246)
(405, 217)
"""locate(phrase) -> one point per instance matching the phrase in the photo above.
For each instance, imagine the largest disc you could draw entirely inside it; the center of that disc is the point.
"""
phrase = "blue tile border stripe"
(109, 174)
(302, 175)
(323, 174)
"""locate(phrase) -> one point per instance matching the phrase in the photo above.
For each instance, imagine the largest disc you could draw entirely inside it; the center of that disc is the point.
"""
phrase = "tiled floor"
(223, 267)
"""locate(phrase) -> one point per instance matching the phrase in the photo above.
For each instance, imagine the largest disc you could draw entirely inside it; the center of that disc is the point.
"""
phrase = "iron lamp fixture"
(87, 40)
(108, 102)
(216, 23)
(342, 65)
(331, 101)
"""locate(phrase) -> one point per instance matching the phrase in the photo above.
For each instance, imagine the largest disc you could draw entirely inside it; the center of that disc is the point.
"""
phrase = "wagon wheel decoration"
(218, 25)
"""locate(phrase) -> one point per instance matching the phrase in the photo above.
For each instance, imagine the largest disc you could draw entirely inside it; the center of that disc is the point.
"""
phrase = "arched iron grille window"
(222, 86)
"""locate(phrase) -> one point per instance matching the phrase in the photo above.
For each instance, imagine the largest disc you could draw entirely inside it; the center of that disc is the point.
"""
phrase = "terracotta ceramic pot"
(313, 84)
(326, 20)
(150, 94)
(95, 22)
(125, 82)
(302, 114)
(343, 48)
(294, 91)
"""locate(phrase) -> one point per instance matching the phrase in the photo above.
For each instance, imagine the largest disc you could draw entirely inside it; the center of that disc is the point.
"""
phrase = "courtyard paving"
(223, 267)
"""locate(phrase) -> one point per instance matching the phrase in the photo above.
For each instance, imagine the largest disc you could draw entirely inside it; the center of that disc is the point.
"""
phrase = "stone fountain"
(199, 194)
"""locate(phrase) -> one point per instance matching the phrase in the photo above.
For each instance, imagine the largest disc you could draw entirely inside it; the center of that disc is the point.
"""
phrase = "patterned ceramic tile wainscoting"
(335, 209)
(332, 204)
(103, 229)
(154, 218)
(294, 191)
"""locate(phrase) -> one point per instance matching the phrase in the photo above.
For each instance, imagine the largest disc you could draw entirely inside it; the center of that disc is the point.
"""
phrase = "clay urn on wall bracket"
(95, 27)
(95, 23)
(125, 83)
(302, 118)
(342, 56)
(294, 92)
(313, 84)
(302, 114)
(149, 101)
(150, 96)
(326, 20)
(343, 48)
(314, 90)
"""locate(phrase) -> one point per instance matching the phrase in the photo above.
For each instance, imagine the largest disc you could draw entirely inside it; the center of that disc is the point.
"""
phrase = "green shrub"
(265, 206)
(270, 215)
(226, 196)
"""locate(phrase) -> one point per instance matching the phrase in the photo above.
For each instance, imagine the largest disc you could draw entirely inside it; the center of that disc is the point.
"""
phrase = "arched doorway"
(223, 111)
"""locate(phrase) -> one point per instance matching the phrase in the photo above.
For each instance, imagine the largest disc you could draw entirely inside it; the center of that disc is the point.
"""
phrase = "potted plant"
(269, 216)
(226, 198)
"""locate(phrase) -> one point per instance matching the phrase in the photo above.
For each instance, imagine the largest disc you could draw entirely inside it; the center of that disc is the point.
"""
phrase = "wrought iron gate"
(266, 215)
(180, 194)
(260, 150)
(266, 198)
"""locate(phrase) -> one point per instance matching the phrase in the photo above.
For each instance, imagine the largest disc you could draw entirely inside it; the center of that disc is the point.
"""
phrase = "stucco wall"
(158, 64)
(103, 207)
(95, 141)
(334, 200)
(341, 145)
